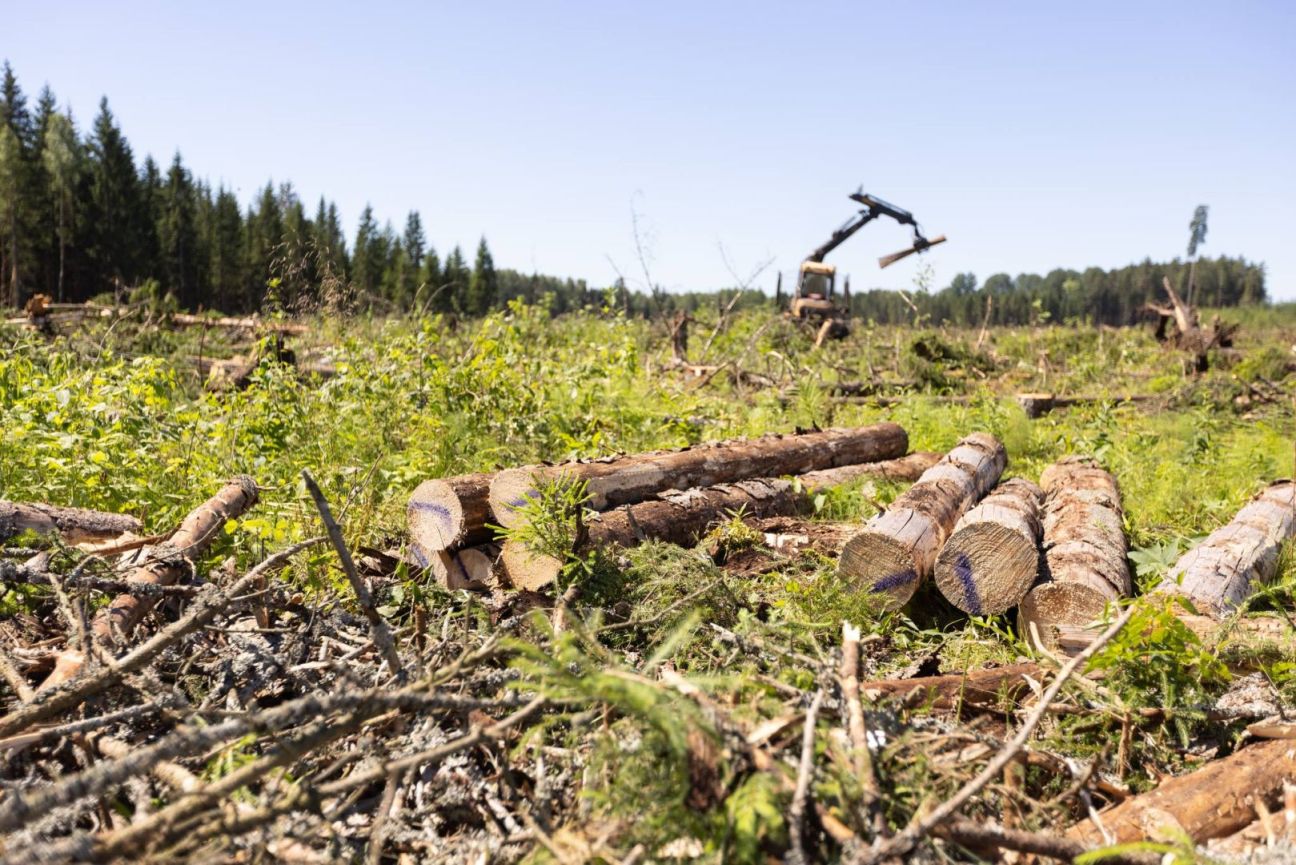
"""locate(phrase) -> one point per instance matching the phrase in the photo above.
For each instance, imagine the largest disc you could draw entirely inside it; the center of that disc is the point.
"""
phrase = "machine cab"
(817, 280)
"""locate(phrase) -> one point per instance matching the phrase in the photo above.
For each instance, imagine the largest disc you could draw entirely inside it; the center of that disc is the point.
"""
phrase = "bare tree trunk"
(629, 479)
(1085, 548)
(897, 549)
(75, 525)
(162, 565)
(991, 560)
(1223, 571)
(1212, 802)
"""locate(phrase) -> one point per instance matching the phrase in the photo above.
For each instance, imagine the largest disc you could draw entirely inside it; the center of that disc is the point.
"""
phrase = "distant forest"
(79, 217)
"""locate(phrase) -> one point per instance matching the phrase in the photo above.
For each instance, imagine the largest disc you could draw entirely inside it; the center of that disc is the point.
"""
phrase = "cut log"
(450, 513)
(897, 549)
(75, 525)
(1212, 802)
(163, 564)
(1244, 643)
(682, 518)
(1223, 571)
(247, 323)
(629, 479)
(991, 560)
(476, 568)
(676, 517)
(982, 689)
(1084, 549)
(906, 468)
(1039, 404)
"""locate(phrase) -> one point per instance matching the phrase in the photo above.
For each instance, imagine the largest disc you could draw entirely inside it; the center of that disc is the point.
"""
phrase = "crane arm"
(842, 234)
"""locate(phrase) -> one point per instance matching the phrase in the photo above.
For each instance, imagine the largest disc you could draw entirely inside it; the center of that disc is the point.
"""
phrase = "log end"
(475, 569)
(880, 565)
(1049, 606)
(510, 491)
(986, 568)
(528, 570)
(435, 516)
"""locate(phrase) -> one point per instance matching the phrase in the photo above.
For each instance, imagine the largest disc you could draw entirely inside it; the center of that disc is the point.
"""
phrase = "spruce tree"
(483, 285)
(117, 209)
(454, 282)
(227, 253)
(365, 271)
(178, 236)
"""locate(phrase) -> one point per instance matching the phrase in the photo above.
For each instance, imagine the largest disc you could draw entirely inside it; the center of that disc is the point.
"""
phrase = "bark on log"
(992, 558)
(75, 525)
(1039, 404)
(1084, 548)
(1242, 643)
(630, 479)
(897, 549)
(247, 323)
(1212, 802)
(982, 689)
(1223, 571)
(682, 518)
(449, 513)
(162, 565)
(676, 517)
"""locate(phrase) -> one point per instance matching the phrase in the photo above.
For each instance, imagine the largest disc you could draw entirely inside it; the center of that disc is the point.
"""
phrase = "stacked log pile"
(675, 496)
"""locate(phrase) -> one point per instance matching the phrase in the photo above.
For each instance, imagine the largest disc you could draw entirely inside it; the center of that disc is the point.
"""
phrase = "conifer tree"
(454, 282)
(61, 157)
(178, 236)
(116, 205)
(483, 285)
(227, 254)
(366, 273)
(11, 177)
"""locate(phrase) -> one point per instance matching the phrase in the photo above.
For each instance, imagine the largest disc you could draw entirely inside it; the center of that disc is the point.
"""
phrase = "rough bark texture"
(1084, 548)
(991, 560)
(75, 525)
(1221, 572)
(162, 565)
(897, 549)
(676, 517)
(906, 468)
(982, 689)
(629, 479)
(449, 513)
(1214, 801)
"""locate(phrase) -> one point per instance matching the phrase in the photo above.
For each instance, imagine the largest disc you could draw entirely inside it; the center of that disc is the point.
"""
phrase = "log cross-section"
(630, 479)
(1084, 549)
(897, 549)
(992, 559)
(449, 513)
(1223, 571)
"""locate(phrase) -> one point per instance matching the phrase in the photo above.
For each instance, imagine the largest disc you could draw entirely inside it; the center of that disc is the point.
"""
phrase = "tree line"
(79, 216)
(1115, 297)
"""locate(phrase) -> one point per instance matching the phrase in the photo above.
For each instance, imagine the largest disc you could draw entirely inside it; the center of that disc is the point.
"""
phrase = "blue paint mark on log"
(521, 502)
(895, 581)
(419, 557)
(971, 597)
(441, 511)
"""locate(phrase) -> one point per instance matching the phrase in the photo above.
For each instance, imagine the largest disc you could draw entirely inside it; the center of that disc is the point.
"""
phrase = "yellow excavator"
(816, 285)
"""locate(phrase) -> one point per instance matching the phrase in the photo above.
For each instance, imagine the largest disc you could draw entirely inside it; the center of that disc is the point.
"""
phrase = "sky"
(1034, 135)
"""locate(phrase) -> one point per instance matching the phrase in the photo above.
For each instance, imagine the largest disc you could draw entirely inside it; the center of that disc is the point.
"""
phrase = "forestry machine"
(813, 298)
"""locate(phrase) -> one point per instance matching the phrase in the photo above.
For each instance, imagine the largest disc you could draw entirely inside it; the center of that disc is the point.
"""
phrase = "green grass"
(116, 419)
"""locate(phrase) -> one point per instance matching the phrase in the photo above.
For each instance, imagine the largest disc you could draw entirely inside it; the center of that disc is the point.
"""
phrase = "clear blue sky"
(1035, 135)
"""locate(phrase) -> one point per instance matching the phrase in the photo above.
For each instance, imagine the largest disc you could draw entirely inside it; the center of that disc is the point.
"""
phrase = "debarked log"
(897, 549)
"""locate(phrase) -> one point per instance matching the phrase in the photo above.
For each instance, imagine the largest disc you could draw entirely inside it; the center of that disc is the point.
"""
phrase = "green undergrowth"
(117, 419)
